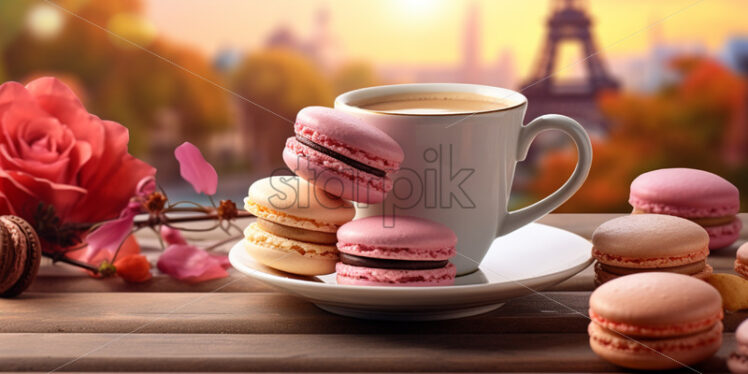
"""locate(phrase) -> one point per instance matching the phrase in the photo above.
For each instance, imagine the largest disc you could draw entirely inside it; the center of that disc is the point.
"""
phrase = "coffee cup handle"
(518, 218)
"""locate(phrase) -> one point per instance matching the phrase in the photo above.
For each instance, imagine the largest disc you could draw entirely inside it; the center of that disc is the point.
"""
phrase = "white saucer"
(527, 260)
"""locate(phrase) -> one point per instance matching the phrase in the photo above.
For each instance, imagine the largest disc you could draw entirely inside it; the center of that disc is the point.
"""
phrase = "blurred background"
(657, 84)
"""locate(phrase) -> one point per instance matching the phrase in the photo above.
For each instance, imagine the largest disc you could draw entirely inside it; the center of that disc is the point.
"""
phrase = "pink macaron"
(655, 321)
(741, 261)
(409, 251)
(738, 361)
(342, 155)
(703, 197)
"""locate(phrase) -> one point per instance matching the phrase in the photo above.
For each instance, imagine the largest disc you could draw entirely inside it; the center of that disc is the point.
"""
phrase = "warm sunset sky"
(430, 31)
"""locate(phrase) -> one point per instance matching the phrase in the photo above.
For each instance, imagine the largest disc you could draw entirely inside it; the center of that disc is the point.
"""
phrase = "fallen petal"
(195, 170)
(130, 247)
(191, 264)
(111, 234)
(172, 236)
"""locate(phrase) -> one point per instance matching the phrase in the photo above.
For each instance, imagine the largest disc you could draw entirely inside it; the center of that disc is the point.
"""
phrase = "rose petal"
(192, 264)
(223, 259)
(172, 236)
(110, 177)
(111, 234)
(57, 99)
(37, 136)
(195, 170)
(20, 194)
(14, 93)
(129, 247)
(146, 186)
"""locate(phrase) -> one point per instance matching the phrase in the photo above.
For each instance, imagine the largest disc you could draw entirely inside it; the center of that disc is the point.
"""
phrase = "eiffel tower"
(577, 99)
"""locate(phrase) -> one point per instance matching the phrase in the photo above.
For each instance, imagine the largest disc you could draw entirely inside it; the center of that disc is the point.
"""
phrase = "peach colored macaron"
(703, 197)
(655, 321)
(741, 261)
(649, 242)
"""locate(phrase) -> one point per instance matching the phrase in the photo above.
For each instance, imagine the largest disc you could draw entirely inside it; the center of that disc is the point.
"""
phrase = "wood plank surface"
(301, 352)
(273, 313)
(238, 324)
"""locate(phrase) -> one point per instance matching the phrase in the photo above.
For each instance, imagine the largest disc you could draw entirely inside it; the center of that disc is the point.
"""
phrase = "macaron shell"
(333, 176)
(292, 201)
(655, 304)
(724, 235)
(342, 149)
(397, 232)
(655, 354)
(684, 192)
(349, 131)
(366, 276)
(288, 261)
(288, 255)
(649, 241)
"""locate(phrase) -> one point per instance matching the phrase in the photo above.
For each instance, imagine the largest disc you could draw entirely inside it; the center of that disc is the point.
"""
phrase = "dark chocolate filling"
(347, 160)
(390, 264)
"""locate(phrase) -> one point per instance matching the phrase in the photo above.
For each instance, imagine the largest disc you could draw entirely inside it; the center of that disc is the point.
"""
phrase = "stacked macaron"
(655, 321)
(408, 252)
(342, 155)
(703, 197)
(301, 221)
(649, 242)
(738, 361)
(296, 225)
(336, 157)
(741, 261)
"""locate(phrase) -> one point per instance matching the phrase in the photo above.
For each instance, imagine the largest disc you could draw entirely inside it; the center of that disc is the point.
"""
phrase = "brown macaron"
(20, 253)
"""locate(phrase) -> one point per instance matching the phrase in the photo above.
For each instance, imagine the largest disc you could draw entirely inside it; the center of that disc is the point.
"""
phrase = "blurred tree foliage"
(278, 82)
(11, 21)
(354, 75)
(686, 124)
(119, 82)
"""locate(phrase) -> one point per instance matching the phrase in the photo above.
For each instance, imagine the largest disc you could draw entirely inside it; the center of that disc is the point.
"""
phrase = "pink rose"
(53, 151)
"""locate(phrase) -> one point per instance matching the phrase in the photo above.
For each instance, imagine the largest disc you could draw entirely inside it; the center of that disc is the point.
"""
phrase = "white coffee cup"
(458, 168)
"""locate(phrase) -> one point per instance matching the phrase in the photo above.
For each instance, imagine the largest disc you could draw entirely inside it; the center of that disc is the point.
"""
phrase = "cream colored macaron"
(296, 225)
(292, 201)
(292, 256)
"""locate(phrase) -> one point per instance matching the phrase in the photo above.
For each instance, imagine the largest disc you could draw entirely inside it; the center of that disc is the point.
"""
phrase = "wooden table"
(70, 322)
